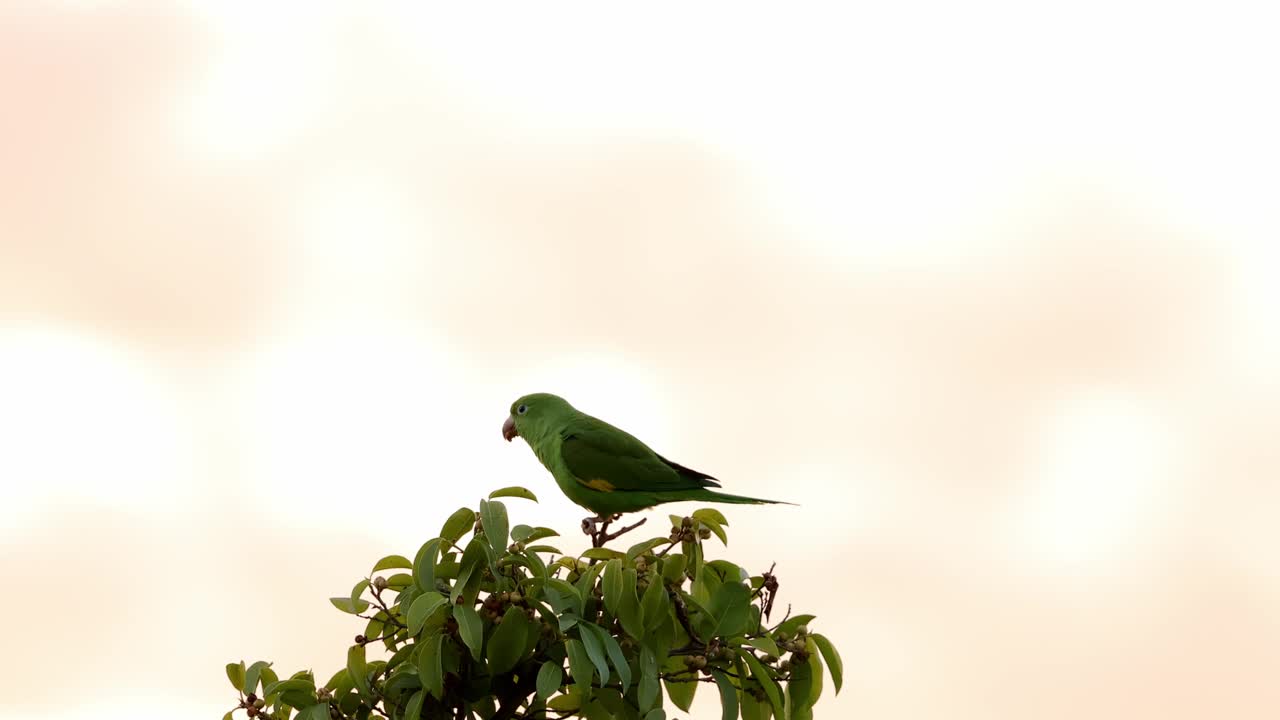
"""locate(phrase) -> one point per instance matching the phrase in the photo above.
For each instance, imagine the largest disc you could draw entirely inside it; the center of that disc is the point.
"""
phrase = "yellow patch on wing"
(600, 484)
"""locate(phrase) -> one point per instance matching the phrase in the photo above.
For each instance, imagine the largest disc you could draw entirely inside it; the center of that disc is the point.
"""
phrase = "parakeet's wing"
(603, 457)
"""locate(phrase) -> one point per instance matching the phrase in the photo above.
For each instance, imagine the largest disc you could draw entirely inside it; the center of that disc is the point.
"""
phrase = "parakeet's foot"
(598, 528)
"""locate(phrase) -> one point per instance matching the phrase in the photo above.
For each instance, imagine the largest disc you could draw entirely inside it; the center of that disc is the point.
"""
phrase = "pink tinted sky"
(990, 292)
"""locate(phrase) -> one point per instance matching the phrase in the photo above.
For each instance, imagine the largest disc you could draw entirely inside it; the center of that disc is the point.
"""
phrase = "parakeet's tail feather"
(721, 497)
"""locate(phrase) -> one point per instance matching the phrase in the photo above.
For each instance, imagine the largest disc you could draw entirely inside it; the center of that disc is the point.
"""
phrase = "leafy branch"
(505, 627)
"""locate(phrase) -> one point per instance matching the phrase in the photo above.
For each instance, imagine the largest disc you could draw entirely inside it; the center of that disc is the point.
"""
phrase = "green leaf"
(642, 548)
(710, 515)
(789, 627)
(340, 678)
(595, 710)
(681, 693)
(647, 690)
(474, 559)
(579, 666)
(536, 564)
(252, 674)
(703, 620)
(673, 568)
(297, 698)
(766, 681)
(601, 553)
(399, 581)
(514, 491)
(655, 603)
(458, 524)
(521, 533)
(835, 665)
(727, 571)
(424, 565)
(611, 588)
(728, 696)
(563, 596)
(406, 598)
(319, 711)
(235, 673)
(804, 687)
(493, 520)
(400, 656)
(753, 709)
(413, 710)
(431, 666)
(656, 714)
(280, 687)
(422, 608)
(550, 676)
(766, 645)
(704, 583)
(540, 533)
(269, 677)
(358, 669)
(588, 579)
(229, 716)
(544, 549)
(728, 607)
(345, 605)
(357, 591)
(470, 628)
(595, 649)
(392, 561)
(569, 702)
(629, 606)
(716, 530)
(506, 645)
(571, 564)
(616, 657)
(693, 553)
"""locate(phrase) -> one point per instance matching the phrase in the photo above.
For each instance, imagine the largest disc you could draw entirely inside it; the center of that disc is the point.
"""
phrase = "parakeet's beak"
(509, 429)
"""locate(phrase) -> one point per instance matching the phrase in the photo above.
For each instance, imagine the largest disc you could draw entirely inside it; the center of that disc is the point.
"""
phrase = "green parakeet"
(602, 468)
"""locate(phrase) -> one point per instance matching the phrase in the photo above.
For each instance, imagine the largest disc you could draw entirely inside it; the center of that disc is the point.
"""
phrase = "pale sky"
(989, 290)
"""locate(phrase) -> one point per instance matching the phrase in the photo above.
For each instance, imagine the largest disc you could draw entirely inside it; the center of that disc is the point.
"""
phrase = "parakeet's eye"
(522, 409)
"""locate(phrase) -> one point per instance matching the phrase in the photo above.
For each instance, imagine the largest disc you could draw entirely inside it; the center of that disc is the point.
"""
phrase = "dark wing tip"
(701, 478)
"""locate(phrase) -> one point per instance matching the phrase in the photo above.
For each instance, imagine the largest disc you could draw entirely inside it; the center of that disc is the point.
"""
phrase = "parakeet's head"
(533, 413)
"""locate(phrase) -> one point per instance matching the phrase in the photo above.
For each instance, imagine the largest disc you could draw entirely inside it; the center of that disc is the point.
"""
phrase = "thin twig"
(667, 549)
(784, 619)
(606, 537)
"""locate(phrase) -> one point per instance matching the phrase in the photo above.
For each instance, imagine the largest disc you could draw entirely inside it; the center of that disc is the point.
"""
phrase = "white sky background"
(990, 290)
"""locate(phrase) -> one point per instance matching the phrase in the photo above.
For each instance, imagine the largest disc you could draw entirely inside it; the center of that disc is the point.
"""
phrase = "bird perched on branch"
(602, 468)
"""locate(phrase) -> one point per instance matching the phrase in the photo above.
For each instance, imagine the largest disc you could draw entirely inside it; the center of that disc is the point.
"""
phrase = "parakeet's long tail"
(719, 497)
